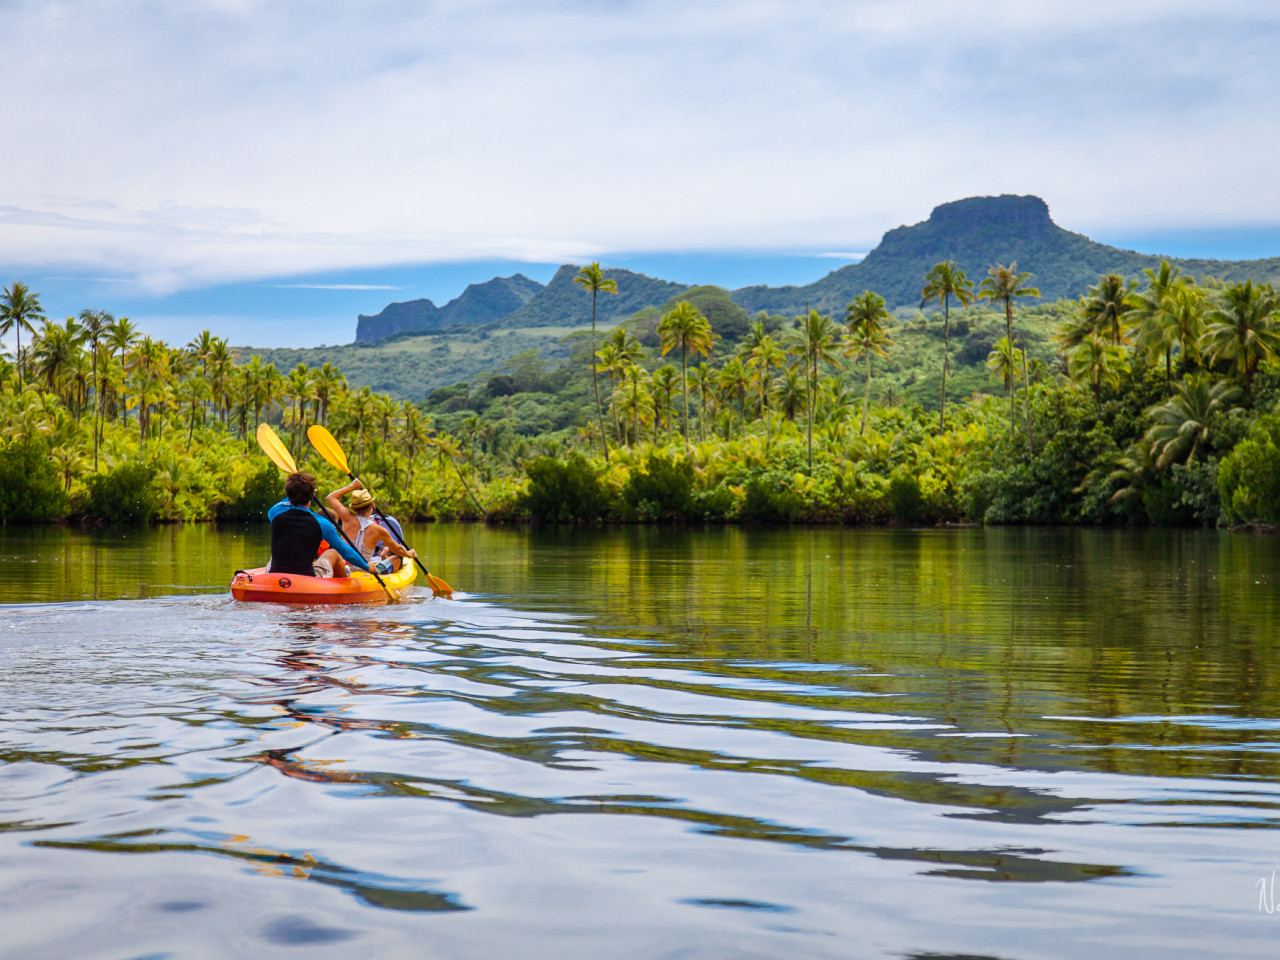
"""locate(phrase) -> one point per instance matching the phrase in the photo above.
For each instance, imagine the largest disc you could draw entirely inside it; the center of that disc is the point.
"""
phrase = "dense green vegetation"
(1143, 402)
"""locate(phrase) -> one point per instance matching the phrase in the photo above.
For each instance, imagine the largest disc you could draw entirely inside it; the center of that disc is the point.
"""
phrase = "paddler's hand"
(356, 484)
(413, 554)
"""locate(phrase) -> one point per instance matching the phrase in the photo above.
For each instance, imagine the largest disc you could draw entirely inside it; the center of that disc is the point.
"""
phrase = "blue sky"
(242, 165)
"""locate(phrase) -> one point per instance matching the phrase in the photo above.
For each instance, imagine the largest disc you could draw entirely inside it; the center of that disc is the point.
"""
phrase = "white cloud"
(233, 139)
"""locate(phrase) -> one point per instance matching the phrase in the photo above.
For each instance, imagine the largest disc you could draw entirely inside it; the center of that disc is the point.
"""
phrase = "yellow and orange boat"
(260, 586)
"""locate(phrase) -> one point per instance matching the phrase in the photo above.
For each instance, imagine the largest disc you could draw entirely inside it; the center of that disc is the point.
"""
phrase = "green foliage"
(122, 496)
(663, 490)
(906, 502)
(1249, 477)
(30, 488)
(567, 491)
(262, 488)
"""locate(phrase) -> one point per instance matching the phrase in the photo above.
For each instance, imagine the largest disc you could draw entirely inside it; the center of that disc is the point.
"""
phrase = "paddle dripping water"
(646, 743)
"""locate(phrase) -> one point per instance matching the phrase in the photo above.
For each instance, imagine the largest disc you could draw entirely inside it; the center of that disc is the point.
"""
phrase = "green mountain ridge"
(479, 304)
(976, 233)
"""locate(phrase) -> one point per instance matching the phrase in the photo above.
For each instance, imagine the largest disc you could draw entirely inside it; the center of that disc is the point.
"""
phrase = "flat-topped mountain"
(478, 304)
(976, 233)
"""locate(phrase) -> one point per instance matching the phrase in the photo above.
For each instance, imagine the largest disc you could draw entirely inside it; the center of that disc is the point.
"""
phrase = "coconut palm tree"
(664, 382)
(191, 392)
(866, 317)
(122, 335)
(766, 356)
(327, 382)
(793, 392)
(1097, 363)
(1243, 330)
(635, 380)
(299, 389)
(734, 381)
(1107, 303)
(592, 278)
(1181, 423)
(1152, 310)
(54, 350)
(1004, 285)
(704, 380)
(944, 281)
(815, 341)
(19, 309)
(95, 324)
(685, 327)
(1002, 361)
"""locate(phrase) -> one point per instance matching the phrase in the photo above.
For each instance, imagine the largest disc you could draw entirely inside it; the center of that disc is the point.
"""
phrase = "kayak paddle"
(328, 448)
(281, 457)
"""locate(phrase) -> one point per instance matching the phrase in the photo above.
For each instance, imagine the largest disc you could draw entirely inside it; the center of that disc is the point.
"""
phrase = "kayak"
(259, 586)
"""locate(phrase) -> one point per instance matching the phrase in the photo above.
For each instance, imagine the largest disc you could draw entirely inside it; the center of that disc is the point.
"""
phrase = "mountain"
(563, 303)
(478, 304)
(976, 233)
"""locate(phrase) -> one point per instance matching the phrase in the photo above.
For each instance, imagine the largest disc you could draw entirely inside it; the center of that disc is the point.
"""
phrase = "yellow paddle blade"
(274, 449)
(328, 447)
(439, 587)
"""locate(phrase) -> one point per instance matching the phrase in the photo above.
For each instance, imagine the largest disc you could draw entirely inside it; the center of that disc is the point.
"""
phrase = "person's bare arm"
(334, 500)
(377, 531)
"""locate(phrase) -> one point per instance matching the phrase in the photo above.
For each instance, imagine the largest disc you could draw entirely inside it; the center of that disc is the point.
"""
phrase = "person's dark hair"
(300, 488)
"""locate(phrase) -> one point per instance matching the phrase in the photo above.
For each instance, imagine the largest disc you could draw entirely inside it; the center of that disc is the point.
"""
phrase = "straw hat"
(361, 499)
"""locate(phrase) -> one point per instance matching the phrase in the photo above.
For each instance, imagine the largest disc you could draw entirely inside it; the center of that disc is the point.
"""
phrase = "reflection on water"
(648, 743)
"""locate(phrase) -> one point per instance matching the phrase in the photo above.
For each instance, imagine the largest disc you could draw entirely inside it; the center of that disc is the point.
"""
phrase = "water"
(646, 743)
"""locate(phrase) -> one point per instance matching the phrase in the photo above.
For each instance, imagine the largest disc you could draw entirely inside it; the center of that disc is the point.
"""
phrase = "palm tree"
(664, 380)
(611, 363)
(814, 340)
(866, 317)
(121, 336)
(327, 382)
(704, 379)
(1002, 361)
(592, 278)
(1098, 363)
(1153, 308)
(417, 429)
(685, 327)
(1005, 284)
(734, 381)
(944, 281)
(765, 356)
(300, 388)
(19, 309)
(95, 324)
(636, 377)
(793, 392)
(1243, 330)
(1182, 422)
(54, 351)
(1107, 303)
(190, 392)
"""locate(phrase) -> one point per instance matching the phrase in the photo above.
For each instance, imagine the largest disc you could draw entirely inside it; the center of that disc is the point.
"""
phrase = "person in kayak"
(365, 531)
(296, 533)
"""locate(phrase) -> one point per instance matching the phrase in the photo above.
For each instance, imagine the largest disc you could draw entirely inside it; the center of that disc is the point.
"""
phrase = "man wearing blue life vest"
(296, 533)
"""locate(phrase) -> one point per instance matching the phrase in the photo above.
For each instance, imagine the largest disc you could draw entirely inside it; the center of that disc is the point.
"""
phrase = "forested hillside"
(975, 233)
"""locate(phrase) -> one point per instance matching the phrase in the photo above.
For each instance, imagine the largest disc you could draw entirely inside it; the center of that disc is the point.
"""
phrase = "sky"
(270, 169)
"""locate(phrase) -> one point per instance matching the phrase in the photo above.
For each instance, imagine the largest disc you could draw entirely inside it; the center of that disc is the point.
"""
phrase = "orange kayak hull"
(259, 586)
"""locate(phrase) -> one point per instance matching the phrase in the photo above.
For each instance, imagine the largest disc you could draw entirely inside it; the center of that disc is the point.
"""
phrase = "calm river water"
(646, 743)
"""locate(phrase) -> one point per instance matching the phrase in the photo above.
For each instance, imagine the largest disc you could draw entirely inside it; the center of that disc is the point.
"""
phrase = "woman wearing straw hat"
(363, 528)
